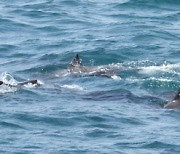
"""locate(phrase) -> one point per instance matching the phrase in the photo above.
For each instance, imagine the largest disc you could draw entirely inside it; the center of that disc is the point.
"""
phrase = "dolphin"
(34, 82)
(175, 103)
(76, 67)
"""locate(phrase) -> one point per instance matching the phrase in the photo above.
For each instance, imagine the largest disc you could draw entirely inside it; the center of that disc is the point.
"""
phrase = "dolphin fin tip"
(75, 61)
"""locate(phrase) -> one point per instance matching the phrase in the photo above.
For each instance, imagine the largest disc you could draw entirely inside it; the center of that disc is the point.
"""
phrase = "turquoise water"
(85, 114)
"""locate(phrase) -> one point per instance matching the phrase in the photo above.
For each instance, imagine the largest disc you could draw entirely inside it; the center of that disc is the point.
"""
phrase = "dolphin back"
(175, 103)
(27, 82)
(177, 96)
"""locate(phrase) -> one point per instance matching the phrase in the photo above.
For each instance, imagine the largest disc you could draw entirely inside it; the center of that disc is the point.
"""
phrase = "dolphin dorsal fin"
(177, 96)
(75, 61)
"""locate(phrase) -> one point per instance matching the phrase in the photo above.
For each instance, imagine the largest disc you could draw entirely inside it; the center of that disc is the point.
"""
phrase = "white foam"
(5, 89)
(170, 68)
(73, 87)
(115, 77)
(29, 85)
(162, 79)
(61, 73)
(133, 80)
(40, 82)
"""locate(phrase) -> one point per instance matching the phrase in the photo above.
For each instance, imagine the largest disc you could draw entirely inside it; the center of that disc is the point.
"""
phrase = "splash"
(7, 78)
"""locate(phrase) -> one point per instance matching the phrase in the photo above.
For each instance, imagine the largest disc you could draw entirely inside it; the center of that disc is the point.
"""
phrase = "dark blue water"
(71, 114)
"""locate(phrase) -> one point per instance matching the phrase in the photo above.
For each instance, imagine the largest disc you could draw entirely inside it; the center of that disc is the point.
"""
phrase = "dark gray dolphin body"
(76, 67)
(34, 82)
(175, 103)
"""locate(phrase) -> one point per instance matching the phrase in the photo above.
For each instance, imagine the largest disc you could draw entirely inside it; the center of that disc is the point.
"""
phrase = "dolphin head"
(1, 82)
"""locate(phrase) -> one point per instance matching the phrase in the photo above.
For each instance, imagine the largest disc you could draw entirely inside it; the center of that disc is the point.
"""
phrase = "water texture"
(86, 114)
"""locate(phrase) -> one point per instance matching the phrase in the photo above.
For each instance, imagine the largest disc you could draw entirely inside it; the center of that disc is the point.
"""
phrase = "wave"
(6, 48)
(150, 3)
(31, 118)
(124, 96)
(10, 125)
(17, 25)
(157, 144)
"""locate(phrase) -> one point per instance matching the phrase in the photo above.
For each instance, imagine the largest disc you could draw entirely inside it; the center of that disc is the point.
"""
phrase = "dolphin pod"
(76, 67)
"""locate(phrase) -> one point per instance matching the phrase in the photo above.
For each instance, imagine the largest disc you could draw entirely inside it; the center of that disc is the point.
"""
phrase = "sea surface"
(74, 114)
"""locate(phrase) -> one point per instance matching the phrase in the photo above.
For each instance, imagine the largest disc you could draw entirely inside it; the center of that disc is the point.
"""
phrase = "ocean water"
(86, 114)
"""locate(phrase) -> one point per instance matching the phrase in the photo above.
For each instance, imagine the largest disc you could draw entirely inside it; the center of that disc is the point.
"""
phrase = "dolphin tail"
(75, 61)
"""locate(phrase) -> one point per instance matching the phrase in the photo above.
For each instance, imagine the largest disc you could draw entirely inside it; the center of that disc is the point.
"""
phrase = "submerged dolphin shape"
(175, 103)
(76, 67)
(34, 82)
